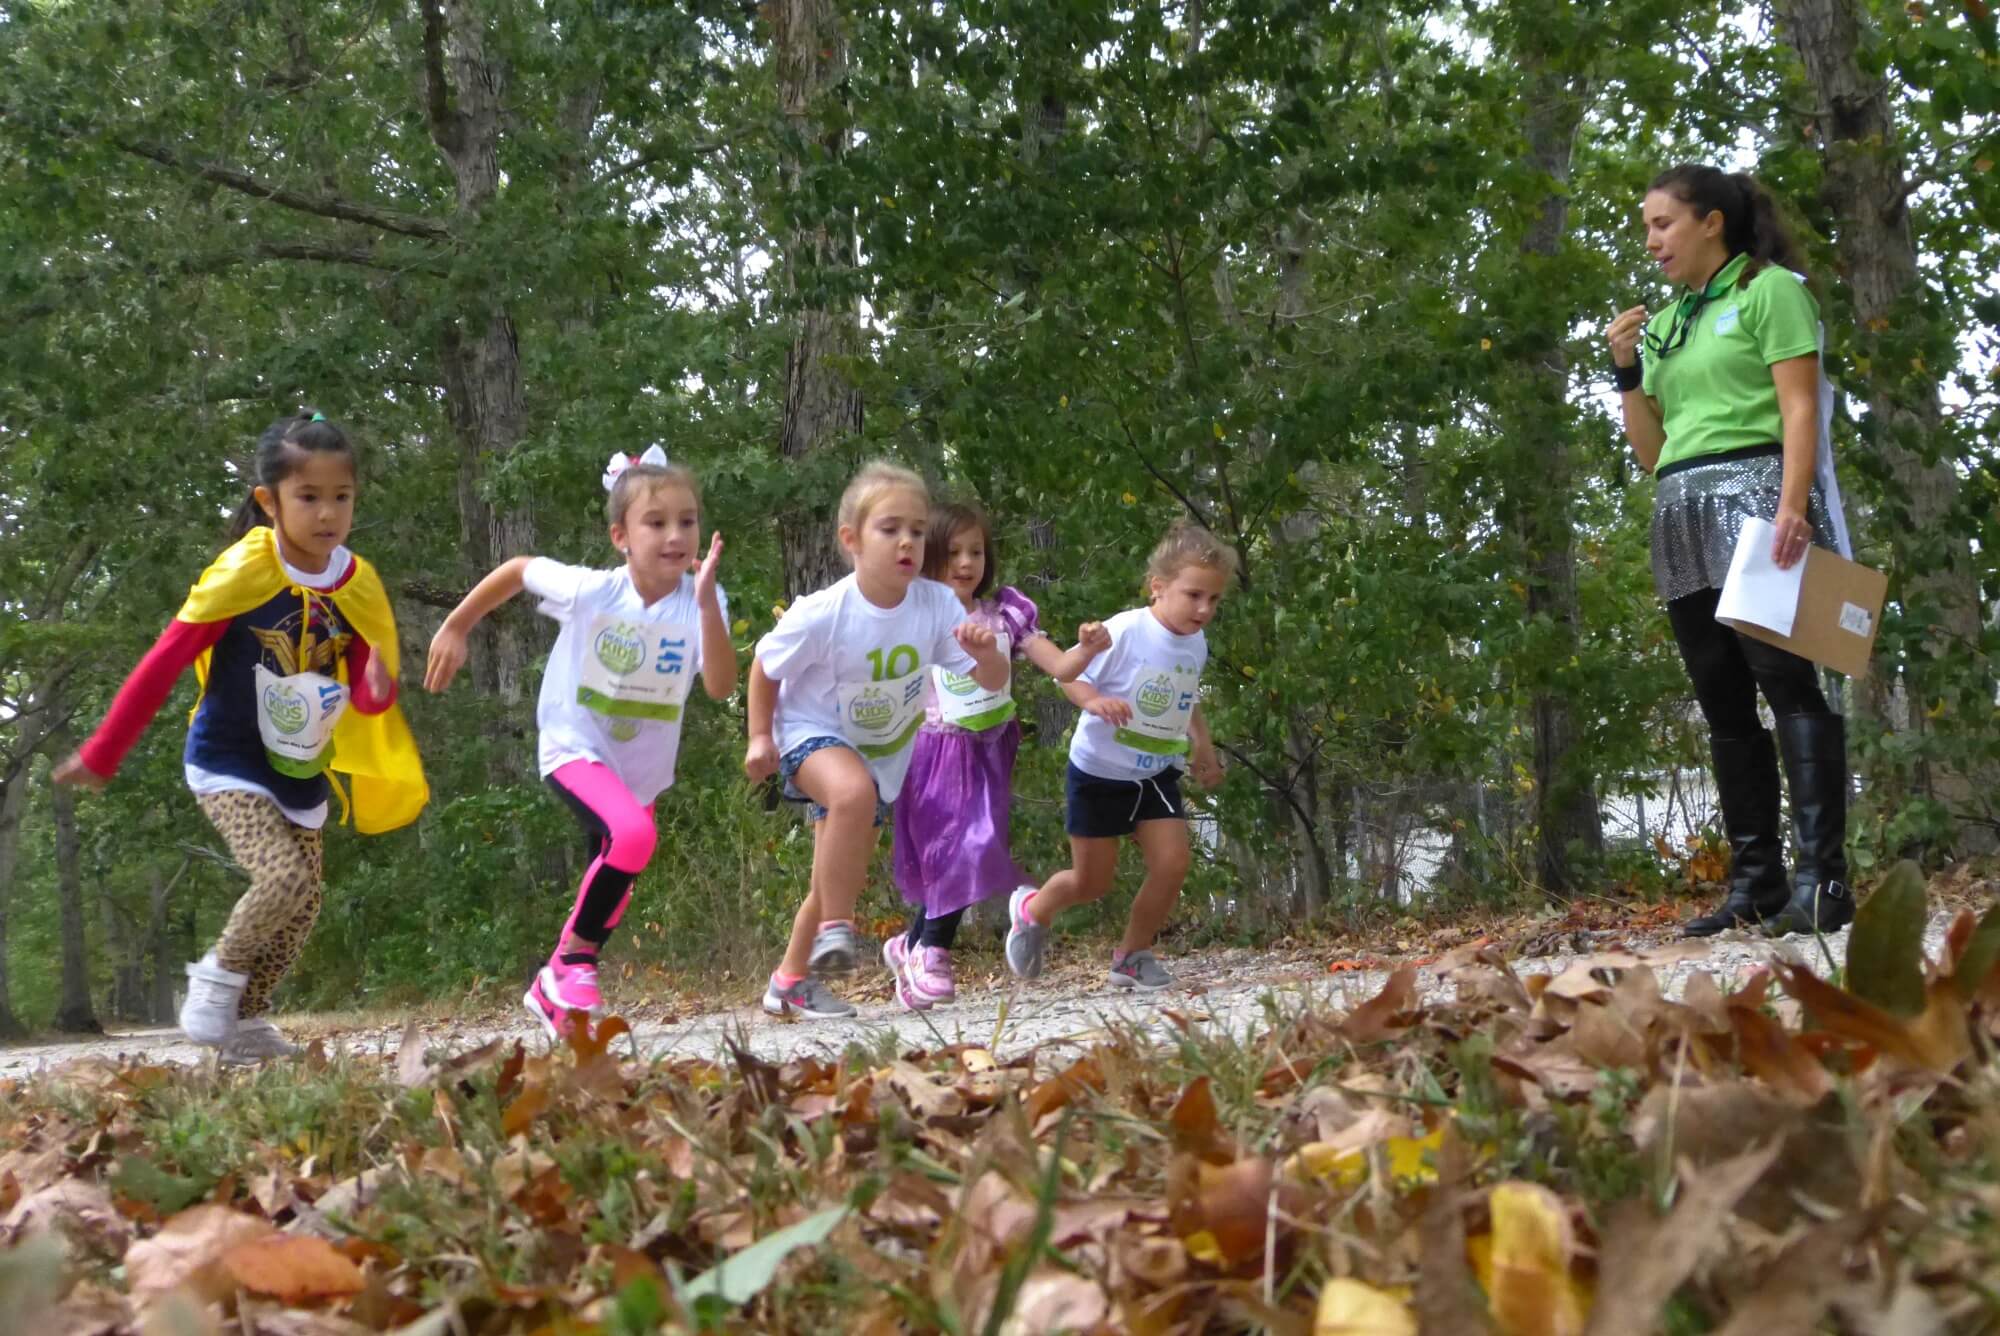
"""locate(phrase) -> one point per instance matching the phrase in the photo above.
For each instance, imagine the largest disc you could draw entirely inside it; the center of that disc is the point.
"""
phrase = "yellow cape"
(376, 751)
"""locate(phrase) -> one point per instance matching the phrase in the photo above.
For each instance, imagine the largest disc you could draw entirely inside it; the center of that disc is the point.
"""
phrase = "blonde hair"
(1190, 544)
(643, 480)
(878, 477)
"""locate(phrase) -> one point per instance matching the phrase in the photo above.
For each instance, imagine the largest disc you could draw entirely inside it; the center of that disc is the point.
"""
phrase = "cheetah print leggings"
(268, 928)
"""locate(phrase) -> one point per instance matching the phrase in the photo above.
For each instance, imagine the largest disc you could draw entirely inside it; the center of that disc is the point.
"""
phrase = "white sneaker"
(254, 1041)
(209, 1014)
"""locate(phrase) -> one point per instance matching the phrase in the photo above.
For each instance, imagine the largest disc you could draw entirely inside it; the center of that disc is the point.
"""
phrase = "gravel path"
(1217, 988)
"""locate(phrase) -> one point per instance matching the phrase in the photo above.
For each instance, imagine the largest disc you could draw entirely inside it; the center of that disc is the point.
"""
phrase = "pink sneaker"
(896, 955)
(572, 984)
(929, 973)
(553, 1018)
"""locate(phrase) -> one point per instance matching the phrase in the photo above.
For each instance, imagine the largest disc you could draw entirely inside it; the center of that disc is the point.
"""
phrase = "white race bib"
(880, 718)
(1162, 704)
(295, 717)
(963, 702)
(632, 672)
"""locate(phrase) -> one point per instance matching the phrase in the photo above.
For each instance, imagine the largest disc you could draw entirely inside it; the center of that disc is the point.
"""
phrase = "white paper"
(1756, 590)
(1855, 618)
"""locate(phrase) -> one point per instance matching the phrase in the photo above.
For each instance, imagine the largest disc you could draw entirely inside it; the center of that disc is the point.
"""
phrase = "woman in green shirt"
(1721, 401)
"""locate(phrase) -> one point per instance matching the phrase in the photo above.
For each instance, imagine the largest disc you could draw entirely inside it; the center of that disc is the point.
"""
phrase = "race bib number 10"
(1161, 708)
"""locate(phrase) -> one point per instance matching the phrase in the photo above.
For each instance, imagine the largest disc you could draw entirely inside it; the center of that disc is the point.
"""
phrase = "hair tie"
(317, 417)
(620, 461)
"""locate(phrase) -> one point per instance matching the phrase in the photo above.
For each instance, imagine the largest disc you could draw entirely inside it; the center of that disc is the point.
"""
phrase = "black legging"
(940, 932)
(1727, 669)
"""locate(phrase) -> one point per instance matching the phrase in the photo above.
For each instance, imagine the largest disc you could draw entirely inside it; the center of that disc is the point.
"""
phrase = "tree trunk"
(13, 796)
(1538, 500)
(478, 355)
(822, 409)
(73, 1013)
(1867, 190)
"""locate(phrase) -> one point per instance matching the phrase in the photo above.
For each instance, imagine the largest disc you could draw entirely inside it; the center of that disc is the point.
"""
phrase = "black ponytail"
(278, 450)
(1751, 222)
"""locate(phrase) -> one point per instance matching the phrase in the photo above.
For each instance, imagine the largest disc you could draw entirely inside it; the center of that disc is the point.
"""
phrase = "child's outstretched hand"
(704, 578)
(1093, 637)
(760, 761)
(1206, 767)
(1111, 710)
(72, 770)
(973, 638)
(447, 656)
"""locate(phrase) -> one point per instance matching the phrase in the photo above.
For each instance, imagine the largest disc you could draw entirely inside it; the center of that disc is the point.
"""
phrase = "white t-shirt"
(210, 781)
(848, 669)
(1159, 674)
(619, 677)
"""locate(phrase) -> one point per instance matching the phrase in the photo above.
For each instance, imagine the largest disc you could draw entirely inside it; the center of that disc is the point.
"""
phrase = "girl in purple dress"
(951, 820)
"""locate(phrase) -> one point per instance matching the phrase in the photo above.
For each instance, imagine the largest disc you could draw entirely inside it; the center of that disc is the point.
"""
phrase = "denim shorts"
(788, 770)
(1101, 809)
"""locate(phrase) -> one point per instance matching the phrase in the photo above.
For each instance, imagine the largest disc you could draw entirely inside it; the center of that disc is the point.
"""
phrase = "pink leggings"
(618, 838)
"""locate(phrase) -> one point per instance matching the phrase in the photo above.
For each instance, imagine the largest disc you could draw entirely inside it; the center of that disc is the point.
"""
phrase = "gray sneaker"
(1026, 939)
(809, 997)
(836, 949)
(256, 1040)
(1139, 970)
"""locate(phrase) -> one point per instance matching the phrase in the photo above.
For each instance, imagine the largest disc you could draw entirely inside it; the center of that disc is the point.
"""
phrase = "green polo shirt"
(1715, 391)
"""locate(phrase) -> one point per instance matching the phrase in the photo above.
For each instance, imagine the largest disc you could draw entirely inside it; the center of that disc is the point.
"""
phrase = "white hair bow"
(620, 462)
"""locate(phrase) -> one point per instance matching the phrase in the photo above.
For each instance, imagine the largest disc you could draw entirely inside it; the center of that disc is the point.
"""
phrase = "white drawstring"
(1140, 799)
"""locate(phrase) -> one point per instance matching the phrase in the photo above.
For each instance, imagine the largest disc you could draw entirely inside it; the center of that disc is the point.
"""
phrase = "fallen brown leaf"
(293, 1268)
(189, 1251)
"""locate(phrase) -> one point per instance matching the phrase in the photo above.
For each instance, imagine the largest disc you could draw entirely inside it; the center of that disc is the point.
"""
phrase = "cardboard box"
(1838, 613)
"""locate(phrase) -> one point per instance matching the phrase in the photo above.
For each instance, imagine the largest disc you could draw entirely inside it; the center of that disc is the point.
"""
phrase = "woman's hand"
(1624, 333)
(1795, 534)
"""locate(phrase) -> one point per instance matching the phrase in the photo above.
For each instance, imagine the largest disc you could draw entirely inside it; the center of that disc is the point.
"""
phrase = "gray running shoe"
(254, 1041)
(1139, 970)
(809, 997)
(836, 949)
(1026, 939)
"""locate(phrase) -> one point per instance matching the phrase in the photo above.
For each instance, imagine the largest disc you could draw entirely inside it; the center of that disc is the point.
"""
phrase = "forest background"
(1331, 278)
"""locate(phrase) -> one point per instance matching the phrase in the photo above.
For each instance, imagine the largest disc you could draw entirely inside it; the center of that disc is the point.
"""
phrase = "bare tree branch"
(325, 206)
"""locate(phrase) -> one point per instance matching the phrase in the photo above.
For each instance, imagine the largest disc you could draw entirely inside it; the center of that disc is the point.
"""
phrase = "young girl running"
(632, 639)
(286, 630)
(951, 837)
(1141, 714)
(836, 697)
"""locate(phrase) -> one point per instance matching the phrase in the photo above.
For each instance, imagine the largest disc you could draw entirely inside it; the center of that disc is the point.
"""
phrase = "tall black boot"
(1815, 751)
(1746, 782)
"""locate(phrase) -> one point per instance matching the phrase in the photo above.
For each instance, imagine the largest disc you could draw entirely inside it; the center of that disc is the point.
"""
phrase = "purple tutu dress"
(952, 843)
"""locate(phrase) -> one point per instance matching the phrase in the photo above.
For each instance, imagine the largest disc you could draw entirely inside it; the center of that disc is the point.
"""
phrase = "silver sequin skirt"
(1699, 511)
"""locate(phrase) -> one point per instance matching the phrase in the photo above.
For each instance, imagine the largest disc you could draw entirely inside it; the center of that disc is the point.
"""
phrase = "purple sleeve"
(1018, 617)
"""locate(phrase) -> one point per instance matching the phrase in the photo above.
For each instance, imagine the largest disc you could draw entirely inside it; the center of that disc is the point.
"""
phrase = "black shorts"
(1101, 809)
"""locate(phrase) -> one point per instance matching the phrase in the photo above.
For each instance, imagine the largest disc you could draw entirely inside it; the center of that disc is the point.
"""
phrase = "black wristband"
(1624, 378)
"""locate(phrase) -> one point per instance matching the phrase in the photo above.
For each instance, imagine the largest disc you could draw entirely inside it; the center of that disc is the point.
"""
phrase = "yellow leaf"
(1201, 1246)
(1248, 671)
(1129, 499)
(1403, 1157)
(1486, 345)
(741, 625)
(1062, 401)
(1355, 1308)
(1216, 427)
(778, 609)
(1524, 1265)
